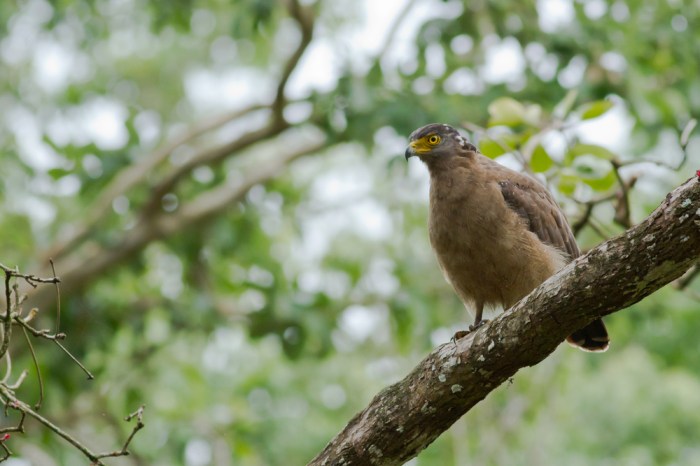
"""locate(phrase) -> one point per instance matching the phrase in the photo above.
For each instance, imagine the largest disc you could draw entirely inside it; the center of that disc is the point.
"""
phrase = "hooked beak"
(410, 150)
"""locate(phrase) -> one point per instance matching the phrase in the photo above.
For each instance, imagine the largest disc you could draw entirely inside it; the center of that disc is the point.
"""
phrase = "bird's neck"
(443, 166)
(451, 177)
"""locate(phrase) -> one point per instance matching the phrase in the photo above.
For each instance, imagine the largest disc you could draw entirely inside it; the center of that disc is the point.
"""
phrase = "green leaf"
(594, 109)
(540, 160)
(601, 184)
(57, 173)
(588, 149)
(499, 145)
(506, 111)
(567, 183)
(491, 148)
(595, 172)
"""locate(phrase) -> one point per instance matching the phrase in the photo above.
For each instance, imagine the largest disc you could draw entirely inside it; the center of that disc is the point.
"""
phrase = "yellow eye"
(433, 139)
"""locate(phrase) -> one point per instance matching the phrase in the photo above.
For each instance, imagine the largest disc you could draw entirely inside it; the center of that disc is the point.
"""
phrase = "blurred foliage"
(254, 337)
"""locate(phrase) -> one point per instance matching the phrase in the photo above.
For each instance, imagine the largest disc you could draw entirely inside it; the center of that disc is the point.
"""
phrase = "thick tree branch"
(406, 417)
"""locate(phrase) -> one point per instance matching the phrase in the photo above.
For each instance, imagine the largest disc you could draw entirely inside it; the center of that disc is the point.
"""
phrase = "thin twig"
(8, 369)
(6, 320)
(45, 333)
(19, 381)
(32, 280)
(56, 339)
(58, 298)
(578, 225)
(20, 425)
(17, 404)
(75, 360)
(622, 210)
(40, 379)
(7, 392)
(6, 452)
(138, 415)
(598, 228)
(683, 141)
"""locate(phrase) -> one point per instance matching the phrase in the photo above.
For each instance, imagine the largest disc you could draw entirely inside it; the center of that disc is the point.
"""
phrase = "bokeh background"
(221, 185)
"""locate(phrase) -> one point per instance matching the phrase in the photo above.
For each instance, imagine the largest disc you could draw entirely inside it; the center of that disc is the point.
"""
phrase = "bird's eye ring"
(433, 139)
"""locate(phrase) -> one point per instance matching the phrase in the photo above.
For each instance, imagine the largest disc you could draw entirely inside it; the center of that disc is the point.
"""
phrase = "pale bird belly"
(495, 269)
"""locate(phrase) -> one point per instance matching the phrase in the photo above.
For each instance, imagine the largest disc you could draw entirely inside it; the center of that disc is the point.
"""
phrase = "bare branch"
(58, 298)
(305, 20)
(394, 28)
(138, 415)
(20, 379)
(32, 280)
(8, 368)
(56, 337)
(6, 451)
(17, 404)
(683, 141)
(74, 359)
(18, 428)
(39, 378)
(406, 417)
(13, 315)
(134, 174)
(207, 157)
(578, 225)
(79, 271)
(6, 319)
(275, 126)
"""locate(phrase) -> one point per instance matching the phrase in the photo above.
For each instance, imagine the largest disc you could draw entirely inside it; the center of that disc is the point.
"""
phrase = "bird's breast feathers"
(482, 246)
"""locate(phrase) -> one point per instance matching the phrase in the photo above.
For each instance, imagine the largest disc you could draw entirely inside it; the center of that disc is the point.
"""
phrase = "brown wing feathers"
(541, 214)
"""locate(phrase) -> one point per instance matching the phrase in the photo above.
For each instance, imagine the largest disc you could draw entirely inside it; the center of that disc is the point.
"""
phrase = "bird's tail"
(592, 337)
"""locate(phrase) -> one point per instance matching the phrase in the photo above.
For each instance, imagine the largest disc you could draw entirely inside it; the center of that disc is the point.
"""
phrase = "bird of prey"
(497, 233)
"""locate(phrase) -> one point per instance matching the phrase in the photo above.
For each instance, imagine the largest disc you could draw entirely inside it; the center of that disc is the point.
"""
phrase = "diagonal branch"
(406, 417)
(274, 127)
(305, 21)
(134, 174)
(137, 173)
(79, 272)
(209, 156)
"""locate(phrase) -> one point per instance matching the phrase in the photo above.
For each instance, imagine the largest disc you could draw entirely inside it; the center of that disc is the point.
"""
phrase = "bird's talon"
(477, 325)
(459, 335)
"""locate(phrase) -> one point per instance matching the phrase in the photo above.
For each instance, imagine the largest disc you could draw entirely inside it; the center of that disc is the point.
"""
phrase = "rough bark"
(407, 416)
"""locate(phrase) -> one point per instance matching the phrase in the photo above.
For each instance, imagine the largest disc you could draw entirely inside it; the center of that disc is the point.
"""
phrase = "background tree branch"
(78, 270)
(406, 417)
(132, 175)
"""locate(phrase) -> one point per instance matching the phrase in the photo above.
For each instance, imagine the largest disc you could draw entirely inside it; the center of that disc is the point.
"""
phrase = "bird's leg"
(478, 322)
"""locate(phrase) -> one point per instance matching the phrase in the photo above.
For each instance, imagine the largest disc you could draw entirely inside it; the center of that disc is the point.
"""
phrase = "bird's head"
(437, 140)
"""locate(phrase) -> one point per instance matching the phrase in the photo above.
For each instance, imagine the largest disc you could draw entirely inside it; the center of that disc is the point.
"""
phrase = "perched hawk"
(497, 233)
